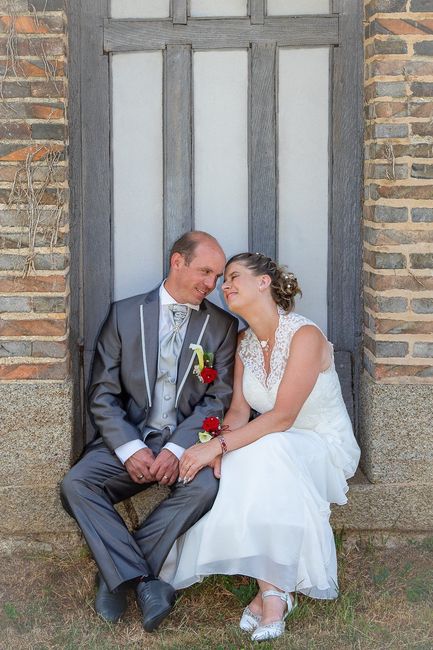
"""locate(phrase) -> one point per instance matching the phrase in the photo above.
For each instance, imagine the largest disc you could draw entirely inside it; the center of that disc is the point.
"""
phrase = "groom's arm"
(218, 395)
(105, 390)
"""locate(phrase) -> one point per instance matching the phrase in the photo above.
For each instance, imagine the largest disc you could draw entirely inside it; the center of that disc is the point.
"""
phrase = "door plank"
(179, 12)
(127, 35)
(257, 10)
(263, 203)
(96, 176)
(345, 247)
(178, 217)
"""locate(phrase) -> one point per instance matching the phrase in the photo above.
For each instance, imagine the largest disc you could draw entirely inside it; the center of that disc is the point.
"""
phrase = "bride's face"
(241, 287)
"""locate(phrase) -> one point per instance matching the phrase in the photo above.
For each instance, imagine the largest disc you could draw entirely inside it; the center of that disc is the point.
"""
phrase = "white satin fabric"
(270, 519)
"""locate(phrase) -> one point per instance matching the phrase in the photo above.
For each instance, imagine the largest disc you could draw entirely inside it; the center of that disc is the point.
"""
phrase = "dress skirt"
(270, 519)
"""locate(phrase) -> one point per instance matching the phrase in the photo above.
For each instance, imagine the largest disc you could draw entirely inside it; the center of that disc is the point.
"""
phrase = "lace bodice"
(251, 352)
(325, 401)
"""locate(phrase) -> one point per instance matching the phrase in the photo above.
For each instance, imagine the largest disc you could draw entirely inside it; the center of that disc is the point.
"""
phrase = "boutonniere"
(204, 369)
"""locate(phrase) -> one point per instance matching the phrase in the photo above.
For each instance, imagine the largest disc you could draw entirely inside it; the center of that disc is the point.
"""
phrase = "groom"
(148, 406)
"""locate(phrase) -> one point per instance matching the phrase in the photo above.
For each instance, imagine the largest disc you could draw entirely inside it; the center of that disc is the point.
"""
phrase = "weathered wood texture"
(96, 176)
(127, 35)
(263, 200)
(257, 12)
(178, 216)
(76, 341)
(344, 266)
(179, 8)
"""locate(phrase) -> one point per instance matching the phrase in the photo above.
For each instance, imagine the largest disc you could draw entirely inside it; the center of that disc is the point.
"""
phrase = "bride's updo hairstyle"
(284, 286)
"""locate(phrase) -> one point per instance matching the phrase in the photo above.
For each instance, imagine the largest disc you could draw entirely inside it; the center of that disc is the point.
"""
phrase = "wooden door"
(237, 117)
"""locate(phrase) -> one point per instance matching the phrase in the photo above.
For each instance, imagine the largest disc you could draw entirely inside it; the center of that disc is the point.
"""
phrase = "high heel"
(249, 621)
(277, 628)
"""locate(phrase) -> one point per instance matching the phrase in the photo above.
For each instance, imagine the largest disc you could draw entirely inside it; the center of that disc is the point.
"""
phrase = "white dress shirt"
(165, 324)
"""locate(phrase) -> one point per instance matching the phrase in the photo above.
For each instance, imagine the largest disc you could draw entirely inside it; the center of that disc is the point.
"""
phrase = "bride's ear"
(264, 282)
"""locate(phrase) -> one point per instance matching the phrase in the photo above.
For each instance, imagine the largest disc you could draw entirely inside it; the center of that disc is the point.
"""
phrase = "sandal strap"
(284, 595)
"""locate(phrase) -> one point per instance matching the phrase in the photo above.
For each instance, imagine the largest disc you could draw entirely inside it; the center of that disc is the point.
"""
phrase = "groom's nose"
(211, 281)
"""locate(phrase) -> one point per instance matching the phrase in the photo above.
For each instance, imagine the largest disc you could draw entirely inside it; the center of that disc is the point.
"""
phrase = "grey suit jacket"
(125, 368)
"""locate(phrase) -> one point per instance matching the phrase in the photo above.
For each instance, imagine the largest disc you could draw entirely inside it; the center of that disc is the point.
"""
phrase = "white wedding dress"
(270, 519)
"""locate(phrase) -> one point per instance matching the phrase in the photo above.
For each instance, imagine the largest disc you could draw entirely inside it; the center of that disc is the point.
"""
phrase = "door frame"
(91, 36)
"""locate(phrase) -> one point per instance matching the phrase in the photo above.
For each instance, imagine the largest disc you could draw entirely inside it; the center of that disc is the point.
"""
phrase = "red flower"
(211, 424)
(208, 375)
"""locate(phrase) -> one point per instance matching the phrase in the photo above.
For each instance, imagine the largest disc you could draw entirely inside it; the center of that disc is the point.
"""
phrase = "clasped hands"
(165, 468)
(144, 467)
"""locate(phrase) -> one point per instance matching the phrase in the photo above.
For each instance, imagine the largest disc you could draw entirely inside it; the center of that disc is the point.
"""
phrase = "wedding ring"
(165, 478)
(140, 477)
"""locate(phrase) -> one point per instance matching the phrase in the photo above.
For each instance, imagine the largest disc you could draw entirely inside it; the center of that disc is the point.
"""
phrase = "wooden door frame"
(91, 36)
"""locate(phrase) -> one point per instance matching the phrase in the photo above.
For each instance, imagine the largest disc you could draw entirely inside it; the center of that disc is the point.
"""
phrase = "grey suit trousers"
(98, 481)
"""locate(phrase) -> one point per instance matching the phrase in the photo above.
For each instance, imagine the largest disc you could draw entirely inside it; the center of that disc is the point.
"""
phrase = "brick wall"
(33, 191)
(398, 214)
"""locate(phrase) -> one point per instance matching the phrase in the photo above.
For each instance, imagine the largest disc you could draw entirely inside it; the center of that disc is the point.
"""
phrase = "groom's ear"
(177, 260)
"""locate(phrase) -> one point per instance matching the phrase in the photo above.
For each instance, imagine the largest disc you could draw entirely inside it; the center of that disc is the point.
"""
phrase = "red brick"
(57, 370)
(386, 371)
(40, 327)
(421, 150)
(422, 128)
(28, 24)
(47, 89)
(399, 26)
(391, 326)
(47, 111)
(15, 131)
(381, 282)
(401, 191)
(8, 173)
(39, 151)
(390, 109)
(421, 109)
(41, 47)
(33, 284)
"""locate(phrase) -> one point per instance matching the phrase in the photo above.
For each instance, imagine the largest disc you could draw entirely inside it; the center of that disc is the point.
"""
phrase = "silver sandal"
(249, 621)
(276, 628)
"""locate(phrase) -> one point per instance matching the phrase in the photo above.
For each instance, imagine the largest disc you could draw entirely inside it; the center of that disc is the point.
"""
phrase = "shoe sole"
(154, 622)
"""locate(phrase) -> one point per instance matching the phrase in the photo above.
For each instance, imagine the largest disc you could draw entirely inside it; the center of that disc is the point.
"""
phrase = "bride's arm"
(309, 355)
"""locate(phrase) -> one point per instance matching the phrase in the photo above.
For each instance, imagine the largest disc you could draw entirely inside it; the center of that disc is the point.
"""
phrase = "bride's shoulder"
(292, 321)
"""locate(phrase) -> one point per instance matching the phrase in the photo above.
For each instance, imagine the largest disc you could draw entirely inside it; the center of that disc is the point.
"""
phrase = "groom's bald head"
(186, 244)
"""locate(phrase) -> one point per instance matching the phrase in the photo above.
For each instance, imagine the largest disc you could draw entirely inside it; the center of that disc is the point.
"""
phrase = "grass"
(385, 602)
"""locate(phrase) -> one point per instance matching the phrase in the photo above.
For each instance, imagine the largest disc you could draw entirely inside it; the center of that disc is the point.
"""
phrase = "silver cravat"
(171, 344)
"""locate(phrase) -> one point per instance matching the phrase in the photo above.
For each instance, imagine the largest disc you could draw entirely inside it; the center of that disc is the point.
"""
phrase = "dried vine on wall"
(28, 195)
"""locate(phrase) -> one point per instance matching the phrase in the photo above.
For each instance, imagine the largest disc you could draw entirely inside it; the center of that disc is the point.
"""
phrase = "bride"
(279, 471)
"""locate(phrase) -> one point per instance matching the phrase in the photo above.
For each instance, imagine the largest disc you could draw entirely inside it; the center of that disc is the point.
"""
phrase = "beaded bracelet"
(223, 444)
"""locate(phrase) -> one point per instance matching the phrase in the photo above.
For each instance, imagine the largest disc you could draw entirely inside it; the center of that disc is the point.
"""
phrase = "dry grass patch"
(386, 602)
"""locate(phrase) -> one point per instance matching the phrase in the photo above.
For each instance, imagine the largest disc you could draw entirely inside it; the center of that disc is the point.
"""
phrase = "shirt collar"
(166, 299)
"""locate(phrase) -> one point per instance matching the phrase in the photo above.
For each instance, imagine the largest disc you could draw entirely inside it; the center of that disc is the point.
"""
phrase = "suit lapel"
(149, 324)
(197, 324)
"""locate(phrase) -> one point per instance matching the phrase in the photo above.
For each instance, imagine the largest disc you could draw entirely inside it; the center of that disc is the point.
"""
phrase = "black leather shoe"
(155, 599)
(110, 606)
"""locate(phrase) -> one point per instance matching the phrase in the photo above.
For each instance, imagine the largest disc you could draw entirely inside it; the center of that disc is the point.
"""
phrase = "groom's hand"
(165, 468)
(138, 466)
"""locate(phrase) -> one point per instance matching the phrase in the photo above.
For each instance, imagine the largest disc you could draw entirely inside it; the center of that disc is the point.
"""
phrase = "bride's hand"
(197, 457)
(216, 466)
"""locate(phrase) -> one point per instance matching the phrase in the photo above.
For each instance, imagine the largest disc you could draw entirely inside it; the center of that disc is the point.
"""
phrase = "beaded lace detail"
(251, 353)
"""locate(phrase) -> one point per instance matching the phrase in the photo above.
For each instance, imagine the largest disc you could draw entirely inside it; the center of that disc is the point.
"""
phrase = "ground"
(386, 601)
